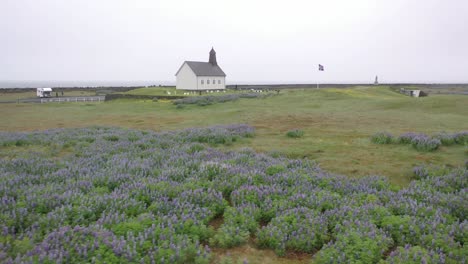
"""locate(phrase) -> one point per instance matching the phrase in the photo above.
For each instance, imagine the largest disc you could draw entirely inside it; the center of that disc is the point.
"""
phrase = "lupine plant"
(423, 142)
(110, 195)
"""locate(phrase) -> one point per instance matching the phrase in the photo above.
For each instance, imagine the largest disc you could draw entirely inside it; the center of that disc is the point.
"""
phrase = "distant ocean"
(36, 84)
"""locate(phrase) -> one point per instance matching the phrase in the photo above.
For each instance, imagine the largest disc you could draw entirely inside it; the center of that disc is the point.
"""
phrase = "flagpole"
(320, 68)
(318, 78)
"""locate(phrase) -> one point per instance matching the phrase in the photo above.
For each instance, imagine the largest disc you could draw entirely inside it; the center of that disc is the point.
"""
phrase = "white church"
(199, 75)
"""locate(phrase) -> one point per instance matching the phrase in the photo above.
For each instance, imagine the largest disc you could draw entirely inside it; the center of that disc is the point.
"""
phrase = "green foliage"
(352, 248)
(461, 138)
(281, 234)
(377, 214)
(215, 139)
(204, 102)
(16, 246)
(402, 229)
(296, 133)
(196, 148)
(106, 255)
(229, 236)
(132, 137)
(425, 144)
(411, 255)
(275, 169)
(111, 138)
(445, 138)
(382, 138)
(134, 226)
(21, 142)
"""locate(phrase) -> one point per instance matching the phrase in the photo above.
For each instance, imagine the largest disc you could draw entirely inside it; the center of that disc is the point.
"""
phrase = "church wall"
(211, 86)
(186, 79)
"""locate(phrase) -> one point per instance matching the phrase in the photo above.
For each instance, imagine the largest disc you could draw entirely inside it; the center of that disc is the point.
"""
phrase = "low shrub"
(382, 138)
(420, 172)
(21, 142)
(411, 255)
(204, 102)
(296, 133)
(111, 138)
(301, 229)
(211, 99)
(359, 242)
(230, 236)
(275, 169)
(402, 229)
(461, 138)
(406, 138)
(425, 143)
(445, 138)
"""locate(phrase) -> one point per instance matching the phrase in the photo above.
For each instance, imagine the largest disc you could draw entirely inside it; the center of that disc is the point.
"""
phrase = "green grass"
(337, 124)
(154, 91)
(4, 96)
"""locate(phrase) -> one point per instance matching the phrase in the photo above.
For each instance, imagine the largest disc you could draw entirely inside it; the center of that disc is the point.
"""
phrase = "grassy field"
(31, 94)
(337, 124)
(170, 90)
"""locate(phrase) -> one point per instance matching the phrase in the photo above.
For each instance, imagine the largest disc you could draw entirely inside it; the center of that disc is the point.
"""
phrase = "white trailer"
(44, 92)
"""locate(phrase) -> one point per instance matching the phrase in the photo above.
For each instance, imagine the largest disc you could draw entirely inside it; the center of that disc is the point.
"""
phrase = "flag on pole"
(321, 67)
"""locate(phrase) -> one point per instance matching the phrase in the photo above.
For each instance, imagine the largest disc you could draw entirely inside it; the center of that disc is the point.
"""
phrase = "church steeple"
(213, 57)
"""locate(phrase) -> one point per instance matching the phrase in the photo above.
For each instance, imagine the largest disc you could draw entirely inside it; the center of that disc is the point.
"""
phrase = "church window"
(207, 81)
(202, 82)
(219, 81)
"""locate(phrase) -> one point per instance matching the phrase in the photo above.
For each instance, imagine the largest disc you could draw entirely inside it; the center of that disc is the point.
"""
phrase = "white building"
(44, 92)
(198, 75)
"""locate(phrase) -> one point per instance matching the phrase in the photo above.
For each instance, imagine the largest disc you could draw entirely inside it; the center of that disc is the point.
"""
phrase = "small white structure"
(415, 93)
(198, 75)
(43, 92)
(412, 93)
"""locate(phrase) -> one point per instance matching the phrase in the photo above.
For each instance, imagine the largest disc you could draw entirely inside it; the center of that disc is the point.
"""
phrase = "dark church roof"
(201, 68)
(205, 68)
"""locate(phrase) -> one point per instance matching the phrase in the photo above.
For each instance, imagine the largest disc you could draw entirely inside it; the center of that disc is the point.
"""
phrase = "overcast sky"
(264, 41)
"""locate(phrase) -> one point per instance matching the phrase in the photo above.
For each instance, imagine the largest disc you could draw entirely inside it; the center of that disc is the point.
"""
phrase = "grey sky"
(263, 41)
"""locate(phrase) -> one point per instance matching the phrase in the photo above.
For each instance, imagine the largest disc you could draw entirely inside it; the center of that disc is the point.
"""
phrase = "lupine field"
(113, 195)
